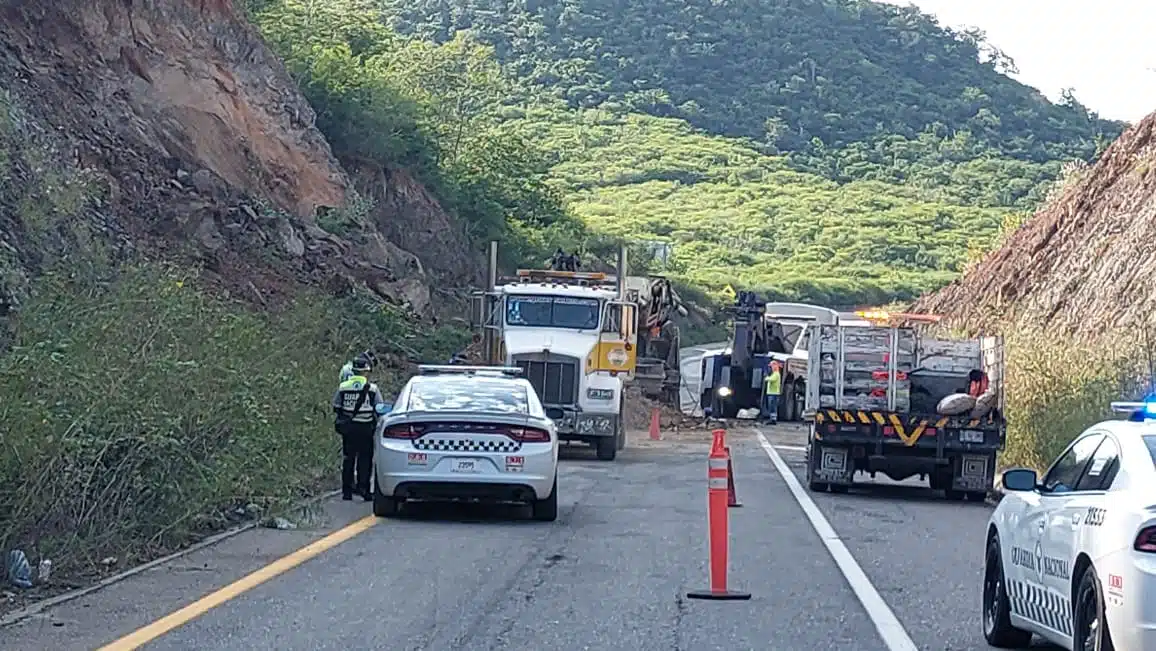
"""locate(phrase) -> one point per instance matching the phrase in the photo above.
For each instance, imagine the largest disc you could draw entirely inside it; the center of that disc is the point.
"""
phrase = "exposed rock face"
(1084, 263)
(198, 135)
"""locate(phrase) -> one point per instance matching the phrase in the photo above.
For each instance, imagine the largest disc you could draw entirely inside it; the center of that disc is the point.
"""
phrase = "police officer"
(354, 407)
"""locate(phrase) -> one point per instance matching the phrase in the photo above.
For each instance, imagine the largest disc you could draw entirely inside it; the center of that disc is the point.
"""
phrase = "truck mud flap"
(829, 464)
(973, 472)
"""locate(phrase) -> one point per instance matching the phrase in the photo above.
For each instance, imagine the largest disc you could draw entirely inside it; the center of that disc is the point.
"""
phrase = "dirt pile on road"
(1084, 264)
(637, 410)
(180, 135)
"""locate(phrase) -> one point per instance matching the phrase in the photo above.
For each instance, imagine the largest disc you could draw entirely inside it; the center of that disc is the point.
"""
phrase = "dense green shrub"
(135, 410)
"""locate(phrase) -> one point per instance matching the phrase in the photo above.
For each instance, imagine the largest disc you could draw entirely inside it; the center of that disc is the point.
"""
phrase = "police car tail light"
(1146, 540)
(528, 435)
(409, 432)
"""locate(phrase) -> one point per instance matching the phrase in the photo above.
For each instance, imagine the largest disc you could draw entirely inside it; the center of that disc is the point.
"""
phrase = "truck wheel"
(812, 485)
(787, 405)
(800, 399)
(620, 430)
(606, 447)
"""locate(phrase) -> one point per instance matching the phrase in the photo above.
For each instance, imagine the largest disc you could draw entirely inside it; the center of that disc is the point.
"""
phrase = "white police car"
(1072, 558)
(467, 433)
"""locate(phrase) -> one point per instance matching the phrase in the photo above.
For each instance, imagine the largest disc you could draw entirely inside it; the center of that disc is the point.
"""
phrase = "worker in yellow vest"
(772, 387)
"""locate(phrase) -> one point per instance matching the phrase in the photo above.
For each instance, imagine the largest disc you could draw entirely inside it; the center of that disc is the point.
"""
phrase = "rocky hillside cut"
(192, 140)
(1084, 263)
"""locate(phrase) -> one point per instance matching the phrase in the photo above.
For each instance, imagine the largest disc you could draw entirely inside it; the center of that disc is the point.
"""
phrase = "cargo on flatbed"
(871, 406)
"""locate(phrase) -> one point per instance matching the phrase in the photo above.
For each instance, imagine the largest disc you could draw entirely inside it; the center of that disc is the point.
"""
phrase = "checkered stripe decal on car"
(467, 445)
(1039, 605)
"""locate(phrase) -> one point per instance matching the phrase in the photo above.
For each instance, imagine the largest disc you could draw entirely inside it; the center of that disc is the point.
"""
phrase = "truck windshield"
(1150, 441)
(552, 312)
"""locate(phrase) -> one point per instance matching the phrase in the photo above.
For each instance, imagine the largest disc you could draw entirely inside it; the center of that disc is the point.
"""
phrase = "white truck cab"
(575, 339)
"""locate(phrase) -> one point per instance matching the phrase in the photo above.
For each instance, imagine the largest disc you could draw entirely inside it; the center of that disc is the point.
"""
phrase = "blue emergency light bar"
(461, 369)
(1138, 410)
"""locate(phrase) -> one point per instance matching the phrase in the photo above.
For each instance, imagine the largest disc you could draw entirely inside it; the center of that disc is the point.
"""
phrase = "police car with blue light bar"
(467, 433)
(1072, 557)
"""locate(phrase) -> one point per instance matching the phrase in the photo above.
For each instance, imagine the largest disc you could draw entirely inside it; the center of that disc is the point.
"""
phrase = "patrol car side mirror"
(1020, 479)
(383, 408)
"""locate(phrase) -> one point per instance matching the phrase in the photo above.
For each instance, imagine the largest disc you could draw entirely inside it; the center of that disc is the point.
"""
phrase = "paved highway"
(610, 574)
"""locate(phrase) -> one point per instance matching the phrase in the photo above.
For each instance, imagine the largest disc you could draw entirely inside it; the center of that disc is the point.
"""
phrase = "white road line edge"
(792, 448)
(892, 632)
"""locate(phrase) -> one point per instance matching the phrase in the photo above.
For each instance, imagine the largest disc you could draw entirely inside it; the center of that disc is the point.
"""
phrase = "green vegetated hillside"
(854, 97)
(738, 217)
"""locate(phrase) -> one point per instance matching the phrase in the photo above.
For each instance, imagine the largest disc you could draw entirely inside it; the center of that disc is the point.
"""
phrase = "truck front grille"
(555, 381)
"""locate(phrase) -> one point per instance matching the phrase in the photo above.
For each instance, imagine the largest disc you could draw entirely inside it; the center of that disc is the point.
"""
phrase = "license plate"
(970, 436)
(464, 465)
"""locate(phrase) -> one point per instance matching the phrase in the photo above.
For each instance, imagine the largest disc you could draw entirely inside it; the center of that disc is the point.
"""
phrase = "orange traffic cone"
(718, 526)
(655, 435)
(732, 498)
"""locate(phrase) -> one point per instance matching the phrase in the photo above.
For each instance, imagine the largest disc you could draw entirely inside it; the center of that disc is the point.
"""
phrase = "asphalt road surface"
(612, 573)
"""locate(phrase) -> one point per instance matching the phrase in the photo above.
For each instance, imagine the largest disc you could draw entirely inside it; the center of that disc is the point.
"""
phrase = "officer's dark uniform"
(354, 404)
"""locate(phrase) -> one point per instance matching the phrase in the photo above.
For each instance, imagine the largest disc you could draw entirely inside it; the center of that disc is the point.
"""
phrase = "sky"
(1103, 48)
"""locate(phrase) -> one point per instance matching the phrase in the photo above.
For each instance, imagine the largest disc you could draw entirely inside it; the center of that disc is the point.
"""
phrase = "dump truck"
(873, 394)
(658, 366)
(576, 336)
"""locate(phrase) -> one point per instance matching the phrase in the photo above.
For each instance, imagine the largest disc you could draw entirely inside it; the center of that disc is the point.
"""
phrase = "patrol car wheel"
(997, 628)
(1090, 625)
(546, 510)
(385, 506)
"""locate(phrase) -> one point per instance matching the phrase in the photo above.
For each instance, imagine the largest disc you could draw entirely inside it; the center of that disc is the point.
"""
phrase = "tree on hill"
(800, 74)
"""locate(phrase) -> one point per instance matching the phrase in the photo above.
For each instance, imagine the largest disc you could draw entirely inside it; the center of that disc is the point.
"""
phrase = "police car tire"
(546, 510)
(1089, 587)
(606, 447)
(385, 506)
(1002, 634)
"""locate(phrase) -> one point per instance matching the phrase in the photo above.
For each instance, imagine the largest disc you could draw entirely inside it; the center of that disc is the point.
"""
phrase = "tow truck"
(871, 406)
(732, 380)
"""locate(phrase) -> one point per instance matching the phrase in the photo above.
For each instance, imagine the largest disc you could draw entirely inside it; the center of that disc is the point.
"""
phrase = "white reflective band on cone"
(717, 464)
(717, 483)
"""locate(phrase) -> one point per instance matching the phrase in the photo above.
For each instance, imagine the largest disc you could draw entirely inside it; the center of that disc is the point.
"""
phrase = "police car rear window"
(1150, 441)
(472, 394)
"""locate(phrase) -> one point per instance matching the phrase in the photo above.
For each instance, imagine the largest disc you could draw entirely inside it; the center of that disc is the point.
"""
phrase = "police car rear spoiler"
(456, 369)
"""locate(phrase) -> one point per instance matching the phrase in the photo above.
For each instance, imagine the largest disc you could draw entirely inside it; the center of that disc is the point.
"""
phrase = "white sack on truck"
(956, 404)
(984, 404)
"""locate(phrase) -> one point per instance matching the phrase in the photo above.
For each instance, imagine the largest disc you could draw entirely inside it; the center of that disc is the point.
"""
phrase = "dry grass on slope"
(1071, 290)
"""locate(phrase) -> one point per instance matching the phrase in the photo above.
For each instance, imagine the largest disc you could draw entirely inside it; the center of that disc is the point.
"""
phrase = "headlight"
(600, 394)
(724, 391)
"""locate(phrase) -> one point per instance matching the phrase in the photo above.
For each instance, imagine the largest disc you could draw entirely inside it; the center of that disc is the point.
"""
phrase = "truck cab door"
(617, 349)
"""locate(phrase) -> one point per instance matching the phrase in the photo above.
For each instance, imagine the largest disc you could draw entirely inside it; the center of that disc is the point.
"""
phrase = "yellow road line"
(280, 566)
